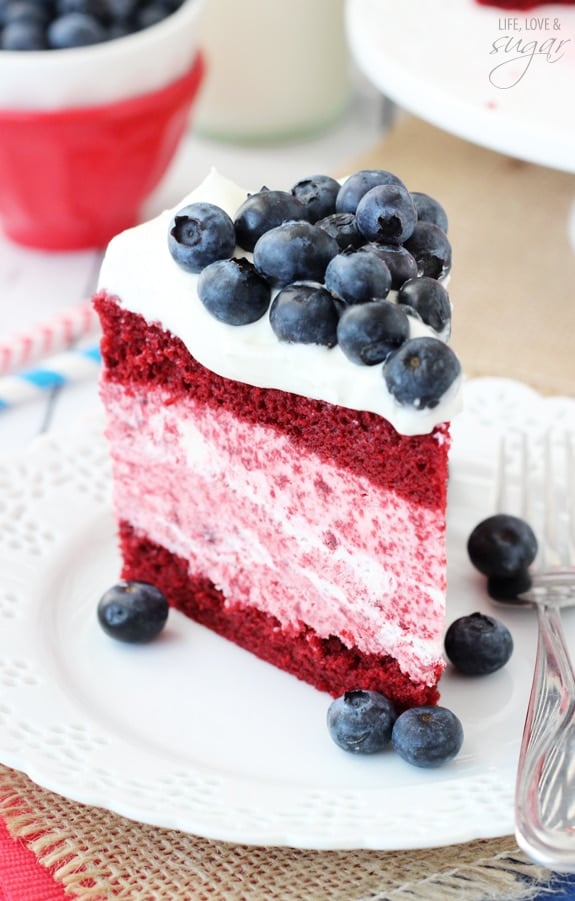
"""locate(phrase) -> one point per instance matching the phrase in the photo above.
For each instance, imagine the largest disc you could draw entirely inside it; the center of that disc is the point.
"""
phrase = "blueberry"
(427, 736)
(386, 214)
(502, 545)
(119, 30)
(26, 11)
(122, 11)
(477, 644)
(361, 721)
(508, 588)
(263, 211)
(357, 277)
(342, 227)
(359, 184)
(96, 8)
(134, 612)
(75, 30)
(430, 299)
(305, 314)
(199, 234)
(429, 209)
(421, 371)
(318, 194)
(398, 260)
(294, 251)
(23, 35)
(233, 292)
(431, 248)
(369, 333)
(150, 14)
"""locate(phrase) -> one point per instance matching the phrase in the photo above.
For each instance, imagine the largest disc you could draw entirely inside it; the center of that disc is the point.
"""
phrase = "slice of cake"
(285, 492)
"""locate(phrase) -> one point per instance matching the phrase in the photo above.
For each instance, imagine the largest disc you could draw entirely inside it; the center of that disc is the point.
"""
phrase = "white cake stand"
(502, 79)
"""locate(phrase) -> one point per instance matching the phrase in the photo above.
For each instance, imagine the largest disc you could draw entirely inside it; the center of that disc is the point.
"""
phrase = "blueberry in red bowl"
(90, 93)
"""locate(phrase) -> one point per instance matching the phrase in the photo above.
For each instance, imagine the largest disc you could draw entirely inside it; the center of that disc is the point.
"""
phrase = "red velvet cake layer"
(325, 663)
(415, 467)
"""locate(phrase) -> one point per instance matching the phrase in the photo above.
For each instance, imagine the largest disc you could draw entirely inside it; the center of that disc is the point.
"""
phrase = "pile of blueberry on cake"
(278, 388)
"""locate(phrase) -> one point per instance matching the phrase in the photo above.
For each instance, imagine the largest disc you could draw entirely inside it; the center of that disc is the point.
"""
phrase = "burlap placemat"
(97, 855)
(512, 290)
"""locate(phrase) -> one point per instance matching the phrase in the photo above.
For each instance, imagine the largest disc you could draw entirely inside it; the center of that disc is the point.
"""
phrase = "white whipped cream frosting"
(139, 270)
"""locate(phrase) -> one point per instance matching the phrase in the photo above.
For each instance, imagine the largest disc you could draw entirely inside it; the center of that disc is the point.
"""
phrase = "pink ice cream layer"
(279, 530)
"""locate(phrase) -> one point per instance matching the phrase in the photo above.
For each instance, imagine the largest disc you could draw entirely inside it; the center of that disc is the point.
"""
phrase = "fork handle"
(545, 790)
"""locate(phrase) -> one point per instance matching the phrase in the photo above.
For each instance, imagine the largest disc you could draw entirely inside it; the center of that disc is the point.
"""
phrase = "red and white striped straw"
(47, 338)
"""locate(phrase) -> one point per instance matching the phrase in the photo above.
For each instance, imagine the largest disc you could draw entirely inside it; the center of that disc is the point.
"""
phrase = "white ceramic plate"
(500, 78)
(193, 733)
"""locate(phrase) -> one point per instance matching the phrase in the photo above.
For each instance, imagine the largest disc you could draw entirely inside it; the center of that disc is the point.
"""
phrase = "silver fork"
(545, 787)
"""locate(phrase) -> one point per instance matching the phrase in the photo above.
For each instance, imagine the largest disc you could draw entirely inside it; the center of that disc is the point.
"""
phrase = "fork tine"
(500, 481)
(570, 485)
(512, 484)
(550, 554)
(524, 483)
(548, 505)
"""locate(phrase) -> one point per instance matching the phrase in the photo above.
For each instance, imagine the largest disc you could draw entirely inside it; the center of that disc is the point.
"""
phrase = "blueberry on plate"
(477, 644)
(386, 214)
(318, 194)
(427, 736)
(420, 372)
(199, 234)
(429, 209)
(502, 545)
(431, 248)
(305, 314)
(361, 721)
(359, 184)
(294, 251)
(357, 277)
(430, 299)
(233, 292)
(369, 333)
(263, 211)
(508, 588)
(342, 227)
(134, 612)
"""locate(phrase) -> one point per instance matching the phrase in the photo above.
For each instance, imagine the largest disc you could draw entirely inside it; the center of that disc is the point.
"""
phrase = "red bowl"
(73, 178)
